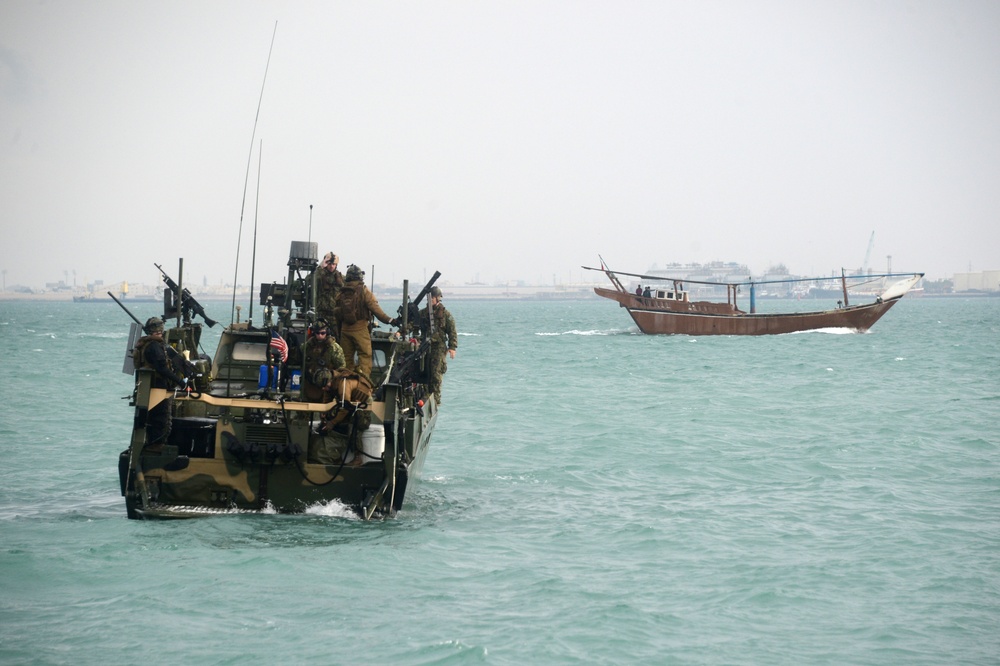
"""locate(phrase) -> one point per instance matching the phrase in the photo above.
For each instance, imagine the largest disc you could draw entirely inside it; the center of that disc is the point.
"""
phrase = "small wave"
(831, 331)
(332, 509)
(612, 331)
(469, 335)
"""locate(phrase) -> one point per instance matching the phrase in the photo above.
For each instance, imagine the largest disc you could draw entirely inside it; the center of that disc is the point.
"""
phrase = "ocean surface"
(591, 496)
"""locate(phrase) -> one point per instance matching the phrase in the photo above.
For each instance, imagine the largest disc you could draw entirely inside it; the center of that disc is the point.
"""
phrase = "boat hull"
(185, 481)
(659, 317)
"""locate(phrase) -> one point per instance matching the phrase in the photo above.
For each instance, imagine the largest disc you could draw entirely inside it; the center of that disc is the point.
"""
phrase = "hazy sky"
(497, 140)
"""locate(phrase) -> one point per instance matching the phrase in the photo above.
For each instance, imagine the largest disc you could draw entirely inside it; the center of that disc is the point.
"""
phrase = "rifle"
(188, 302)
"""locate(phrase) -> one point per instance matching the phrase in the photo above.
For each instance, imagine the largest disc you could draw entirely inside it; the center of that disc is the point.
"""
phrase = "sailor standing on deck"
(444, 339)
(328, 283)
(355, 307)
(151, 352)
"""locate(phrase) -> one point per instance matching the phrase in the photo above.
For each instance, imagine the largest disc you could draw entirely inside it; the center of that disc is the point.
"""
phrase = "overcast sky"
(497, 140)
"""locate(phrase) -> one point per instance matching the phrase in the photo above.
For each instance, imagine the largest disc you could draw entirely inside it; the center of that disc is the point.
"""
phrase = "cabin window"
(378, 358)
(250, 351)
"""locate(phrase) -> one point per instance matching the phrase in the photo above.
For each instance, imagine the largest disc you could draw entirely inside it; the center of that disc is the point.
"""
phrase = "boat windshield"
(249, 351)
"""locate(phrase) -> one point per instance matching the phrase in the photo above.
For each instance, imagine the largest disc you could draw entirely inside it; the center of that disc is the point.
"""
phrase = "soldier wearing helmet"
(152, 352)
(444, 339)
(356, 306)
(328, 284)
(323, 356)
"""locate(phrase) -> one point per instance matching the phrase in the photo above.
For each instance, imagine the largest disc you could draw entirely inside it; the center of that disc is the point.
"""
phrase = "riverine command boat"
(245, 438)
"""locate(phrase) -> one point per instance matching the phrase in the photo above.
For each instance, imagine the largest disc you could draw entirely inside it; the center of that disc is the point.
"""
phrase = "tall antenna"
(310, 223)
(239, 236)
(256, 214)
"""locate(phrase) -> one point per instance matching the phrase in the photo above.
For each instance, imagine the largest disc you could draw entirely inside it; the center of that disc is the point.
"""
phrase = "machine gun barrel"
(427, 288)
(411, 313)
(188, 301)
(122, 305)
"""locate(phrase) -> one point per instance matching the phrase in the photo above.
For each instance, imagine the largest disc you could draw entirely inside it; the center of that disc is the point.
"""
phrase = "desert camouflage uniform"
(356, 336)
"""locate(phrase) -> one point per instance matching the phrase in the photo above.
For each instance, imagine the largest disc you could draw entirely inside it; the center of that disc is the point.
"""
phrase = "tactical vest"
(139, 352)
(315, 361)
(439, 336)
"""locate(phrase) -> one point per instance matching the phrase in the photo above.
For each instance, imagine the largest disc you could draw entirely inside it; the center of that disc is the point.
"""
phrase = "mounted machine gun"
(410, 368)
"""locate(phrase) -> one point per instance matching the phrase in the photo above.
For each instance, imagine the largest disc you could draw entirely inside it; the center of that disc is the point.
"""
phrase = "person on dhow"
(444, 339)
(355, 307)
(323, 357)
(152, 352)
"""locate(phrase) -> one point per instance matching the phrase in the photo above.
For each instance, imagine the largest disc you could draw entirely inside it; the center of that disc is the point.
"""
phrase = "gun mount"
(175, 297)
(410, 311)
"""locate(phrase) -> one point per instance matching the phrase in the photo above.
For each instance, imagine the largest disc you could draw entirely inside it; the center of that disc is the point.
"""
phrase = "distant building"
(982, 281)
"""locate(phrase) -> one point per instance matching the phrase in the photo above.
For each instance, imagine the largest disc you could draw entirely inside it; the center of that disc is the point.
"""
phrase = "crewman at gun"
(444, 339)
(355, 307)
(152, 352)
(328, 283)
(323, 357)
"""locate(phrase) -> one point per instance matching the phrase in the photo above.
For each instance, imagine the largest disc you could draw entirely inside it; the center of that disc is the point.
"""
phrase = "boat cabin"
(671, 295)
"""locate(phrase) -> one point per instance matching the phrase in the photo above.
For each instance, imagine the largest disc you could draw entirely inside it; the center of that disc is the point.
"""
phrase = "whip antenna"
(239, 236)
(256, 214)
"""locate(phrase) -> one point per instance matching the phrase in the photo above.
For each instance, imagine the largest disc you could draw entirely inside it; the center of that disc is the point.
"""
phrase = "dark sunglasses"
(321, 332)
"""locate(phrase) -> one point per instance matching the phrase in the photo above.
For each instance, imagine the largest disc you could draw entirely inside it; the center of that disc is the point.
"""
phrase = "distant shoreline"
(537, 297)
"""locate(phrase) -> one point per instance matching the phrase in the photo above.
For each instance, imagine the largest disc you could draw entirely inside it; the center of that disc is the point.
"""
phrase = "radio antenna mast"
(246, 181)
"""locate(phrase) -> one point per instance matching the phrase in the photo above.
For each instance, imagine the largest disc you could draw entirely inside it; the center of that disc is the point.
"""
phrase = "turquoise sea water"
(591, 496)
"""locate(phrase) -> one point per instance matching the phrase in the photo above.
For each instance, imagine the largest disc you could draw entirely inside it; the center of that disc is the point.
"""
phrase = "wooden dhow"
(668, 309)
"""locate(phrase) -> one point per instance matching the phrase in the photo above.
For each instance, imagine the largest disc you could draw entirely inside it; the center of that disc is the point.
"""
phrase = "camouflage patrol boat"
(244, 438)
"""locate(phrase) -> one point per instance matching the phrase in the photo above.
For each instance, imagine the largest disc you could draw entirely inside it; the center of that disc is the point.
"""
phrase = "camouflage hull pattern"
(235, 455)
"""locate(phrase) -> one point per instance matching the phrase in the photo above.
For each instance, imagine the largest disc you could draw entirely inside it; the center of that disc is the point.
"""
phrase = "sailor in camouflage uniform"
(152, 352)
(355, 307)
(444, 340)
(323, 357)
(328, 283)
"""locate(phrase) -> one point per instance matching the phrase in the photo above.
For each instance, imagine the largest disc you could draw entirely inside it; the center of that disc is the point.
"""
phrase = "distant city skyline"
(578, 276)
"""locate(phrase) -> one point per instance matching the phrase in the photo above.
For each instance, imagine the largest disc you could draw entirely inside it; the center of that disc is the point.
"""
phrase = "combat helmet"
(153, 325)
(436, 291)
(354, 273)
